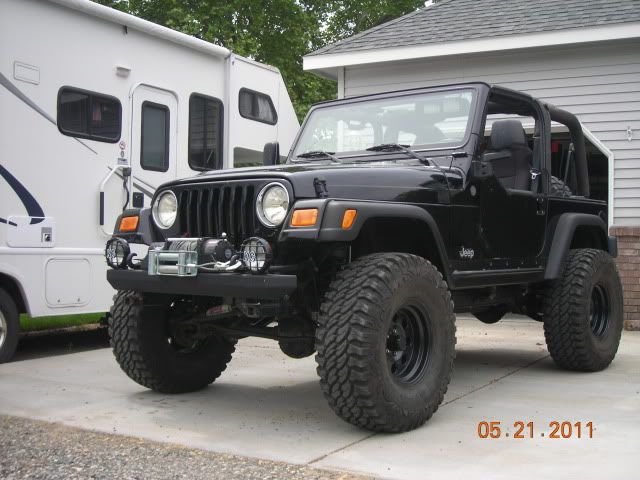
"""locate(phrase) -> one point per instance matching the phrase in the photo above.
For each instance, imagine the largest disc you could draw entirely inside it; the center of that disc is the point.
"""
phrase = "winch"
(208, 249)
(186, 256)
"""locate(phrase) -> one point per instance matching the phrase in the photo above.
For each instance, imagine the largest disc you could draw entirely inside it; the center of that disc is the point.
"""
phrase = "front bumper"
(237, 285)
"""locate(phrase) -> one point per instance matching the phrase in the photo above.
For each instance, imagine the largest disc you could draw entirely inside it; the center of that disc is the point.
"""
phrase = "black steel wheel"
(408, 344)
(583, 312)
(600, 310)
(386, 342)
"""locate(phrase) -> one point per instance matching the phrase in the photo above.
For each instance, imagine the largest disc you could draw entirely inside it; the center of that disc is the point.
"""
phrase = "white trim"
(115, 16)
(255, 63)
(330, 61)
(610, 158)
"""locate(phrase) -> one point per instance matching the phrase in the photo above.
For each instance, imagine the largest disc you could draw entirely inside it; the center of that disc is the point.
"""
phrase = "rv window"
(257, 106)
(205, 132)
(154, 150)
(89, 115)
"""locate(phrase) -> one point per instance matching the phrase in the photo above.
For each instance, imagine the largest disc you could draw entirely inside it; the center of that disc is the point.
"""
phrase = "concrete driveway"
(269, 406)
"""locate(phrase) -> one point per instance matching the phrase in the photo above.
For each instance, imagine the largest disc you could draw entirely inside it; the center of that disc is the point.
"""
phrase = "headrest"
(505, 133)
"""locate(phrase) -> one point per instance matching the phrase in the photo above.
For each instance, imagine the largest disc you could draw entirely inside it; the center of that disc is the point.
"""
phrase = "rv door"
(154, 120)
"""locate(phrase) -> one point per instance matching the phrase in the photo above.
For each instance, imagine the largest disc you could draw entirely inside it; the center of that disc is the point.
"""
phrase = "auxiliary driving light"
(117, 252)
(256, 254)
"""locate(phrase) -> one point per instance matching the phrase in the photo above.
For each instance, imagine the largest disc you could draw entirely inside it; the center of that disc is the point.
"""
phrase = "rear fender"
(563, 231)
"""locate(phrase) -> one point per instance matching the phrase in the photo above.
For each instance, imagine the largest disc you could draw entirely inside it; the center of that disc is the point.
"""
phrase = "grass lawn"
(28, 324)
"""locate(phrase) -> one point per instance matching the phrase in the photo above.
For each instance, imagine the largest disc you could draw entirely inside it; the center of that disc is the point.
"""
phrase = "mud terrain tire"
(379, 316)
(583, 316)
(146, 354)
(559, 188)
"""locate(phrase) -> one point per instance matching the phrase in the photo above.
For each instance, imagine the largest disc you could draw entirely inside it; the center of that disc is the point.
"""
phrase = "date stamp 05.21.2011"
(521, 429)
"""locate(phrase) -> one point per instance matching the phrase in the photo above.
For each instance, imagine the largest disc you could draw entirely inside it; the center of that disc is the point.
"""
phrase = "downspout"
(341, 86)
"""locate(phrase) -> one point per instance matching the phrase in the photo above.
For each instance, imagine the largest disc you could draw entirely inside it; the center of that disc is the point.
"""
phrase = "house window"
(89, 115)
(257, 106)
(205, 132)
(154, 150)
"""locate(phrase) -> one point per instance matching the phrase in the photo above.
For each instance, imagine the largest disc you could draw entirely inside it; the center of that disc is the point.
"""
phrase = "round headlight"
(272, 204)
(165, 209)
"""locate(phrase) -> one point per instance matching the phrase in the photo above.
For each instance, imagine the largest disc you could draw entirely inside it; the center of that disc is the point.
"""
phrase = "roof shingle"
(455, 20)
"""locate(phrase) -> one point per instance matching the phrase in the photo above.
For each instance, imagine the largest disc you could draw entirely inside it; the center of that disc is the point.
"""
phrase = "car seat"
(513, 168)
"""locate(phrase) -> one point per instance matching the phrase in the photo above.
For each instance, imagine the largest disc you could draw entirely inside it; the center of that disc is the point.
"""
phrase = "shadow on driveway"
(61, 342)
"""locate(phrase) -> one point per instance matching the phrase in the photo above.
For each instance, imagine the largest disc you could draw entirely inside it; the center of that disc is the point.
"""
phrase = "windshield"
(420, 121)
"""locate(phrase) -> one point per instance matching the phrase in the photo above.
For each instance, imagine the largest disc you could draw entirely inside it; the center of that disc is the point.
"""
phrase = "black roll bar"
(575, 128)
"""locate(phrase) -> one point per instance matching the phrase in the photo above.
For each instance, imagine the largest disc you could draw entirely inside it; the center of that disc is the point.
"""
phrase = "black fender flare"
(144, 233)
(328, 228)
(562, 230)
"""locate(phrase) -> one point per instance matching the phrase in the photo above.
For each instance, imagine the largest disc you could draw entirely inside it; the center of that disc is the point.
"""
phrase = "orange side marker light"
(128, 224)
(348, 218)
(304, 218)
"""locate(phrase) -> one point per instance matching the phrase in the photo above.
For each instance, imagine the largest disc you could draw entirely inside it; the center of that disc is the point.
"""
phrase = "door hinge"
(540, 206)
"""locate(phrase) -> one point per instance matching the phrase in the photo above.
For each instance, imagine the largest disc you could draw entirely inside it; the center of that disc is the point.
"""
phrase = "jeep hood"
(366, 181)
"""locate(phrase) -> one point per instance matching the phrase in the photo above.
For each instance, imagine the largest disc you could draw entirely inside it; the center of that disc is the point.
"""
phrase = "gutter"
(114, 16)
(327, 64)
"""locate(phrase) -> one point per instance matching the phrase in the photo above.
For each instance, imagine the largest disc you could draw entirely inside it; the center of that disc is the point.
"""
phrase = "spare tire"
(559, 188)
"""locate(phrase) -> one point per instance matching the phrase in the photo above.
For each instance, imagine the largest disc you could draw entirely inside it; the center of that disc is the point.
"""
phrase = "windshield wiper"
(396, 147)
(319, 154)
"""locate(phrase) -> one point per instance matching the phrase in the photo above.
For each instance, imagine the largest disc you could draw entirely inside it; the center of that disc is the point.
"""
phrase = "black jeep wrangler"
(392, 212)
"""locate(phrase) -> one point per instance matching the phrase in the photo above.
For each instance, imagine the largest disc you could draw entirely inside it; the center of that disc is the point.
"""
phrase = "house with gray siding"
(581, 55)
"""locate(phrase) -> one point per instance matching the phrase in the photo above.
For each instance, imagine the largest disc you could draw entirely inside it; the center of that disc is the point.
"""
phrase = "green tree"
(276, 32)
(345, 18)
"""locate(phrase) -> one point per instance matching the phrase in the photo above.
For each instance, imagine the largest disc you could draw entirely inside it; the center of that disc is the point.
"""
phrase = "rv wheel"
(9, 326)
(151, 356)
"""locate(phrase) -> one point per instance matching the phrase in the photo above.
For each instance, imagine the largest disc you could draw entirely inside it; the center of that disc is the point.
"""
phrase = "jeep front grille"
(208, 210)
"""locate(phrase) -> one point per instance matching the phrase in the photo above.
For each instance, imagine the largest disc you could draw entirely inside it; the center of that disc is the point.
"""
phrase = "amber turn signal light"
(128, 224)
(348, 218)
(304, 218)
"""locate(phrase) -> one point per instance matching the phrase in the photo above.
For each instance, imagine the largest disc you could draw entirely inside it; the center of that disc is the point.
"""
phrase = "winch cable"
(220, 266)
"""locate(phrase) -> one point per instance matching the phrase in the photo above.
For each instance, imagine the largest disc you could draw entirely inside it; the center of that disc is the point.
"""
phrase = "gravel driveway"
(39, 450)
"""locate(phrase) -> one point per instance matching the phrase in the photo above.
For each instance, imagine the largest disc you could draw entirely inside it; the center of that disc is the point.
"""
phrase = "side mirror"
(271, 154)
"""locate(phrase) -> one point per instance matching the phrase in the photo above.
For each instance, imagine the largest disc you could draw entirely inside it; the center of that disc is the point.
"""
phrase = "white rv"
(97, 109)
